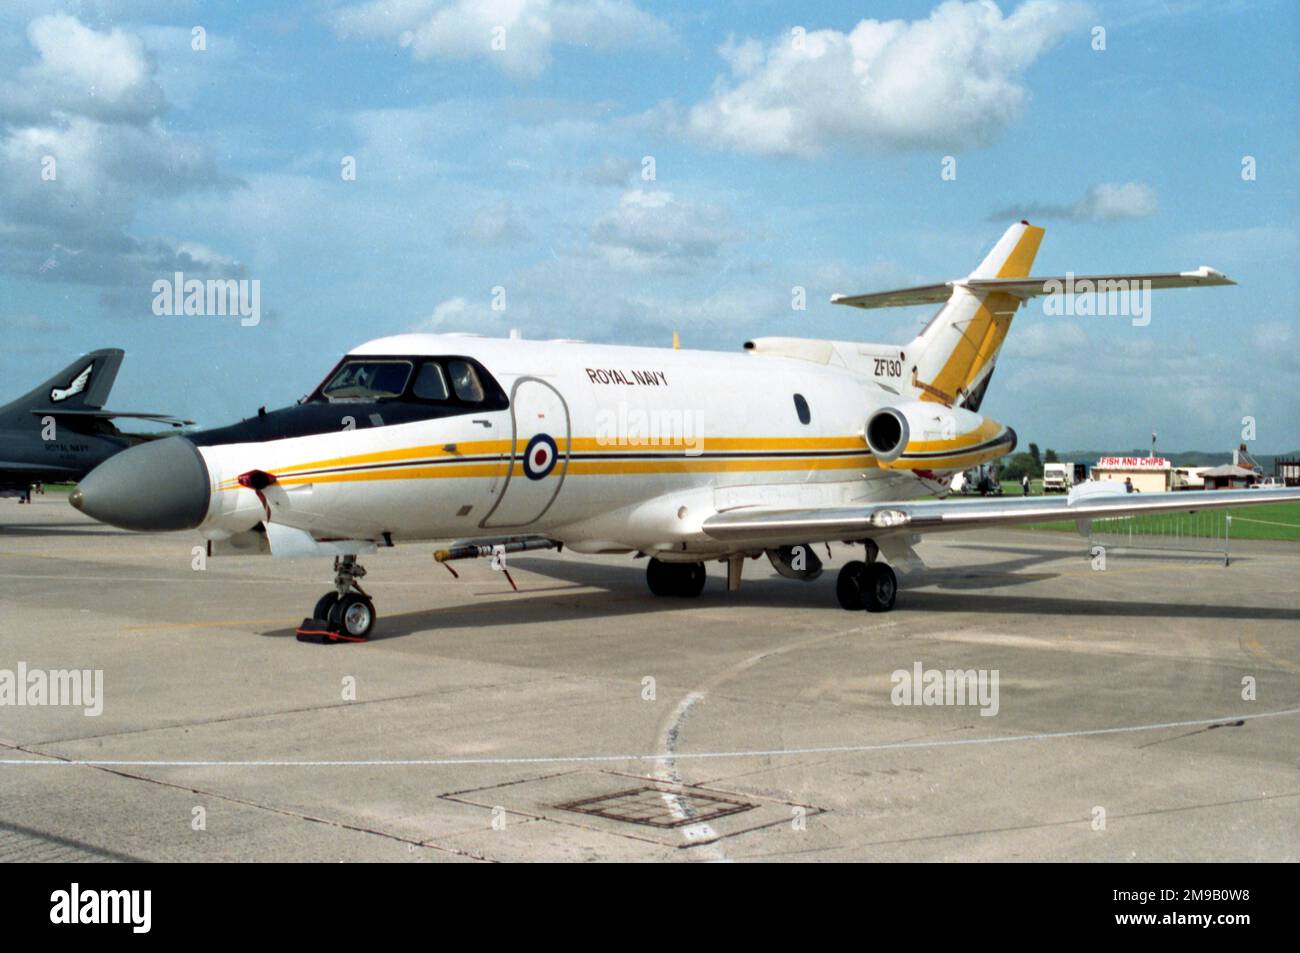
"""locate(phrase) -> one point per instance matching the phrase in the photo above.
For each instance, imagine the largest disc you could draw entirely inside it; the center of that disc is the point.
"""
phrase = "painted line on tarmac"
(55, 760)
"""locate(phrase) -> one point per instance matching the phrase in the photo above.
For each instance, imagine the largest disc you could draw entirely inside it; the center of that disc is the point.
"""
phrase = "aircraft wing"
(1090, 501)
(1201, 277)
(93, 412)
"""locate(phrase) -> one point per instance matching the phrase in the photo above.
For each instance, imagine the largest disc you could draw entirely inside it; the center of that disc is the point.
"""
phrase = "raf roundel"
(539, 457)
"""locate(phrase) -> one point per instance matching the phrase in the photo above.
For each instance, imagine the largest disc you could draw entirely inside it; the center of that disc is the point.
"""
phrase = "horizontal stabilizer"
(109, 414)
(1023, 288)
(899, 297)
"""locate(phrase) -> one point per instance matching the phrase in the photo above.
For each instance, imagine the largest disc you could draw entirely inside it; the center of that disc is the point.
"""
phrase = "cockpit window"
(435, 386)
(368, 380)
(429, 383)
(465, 381)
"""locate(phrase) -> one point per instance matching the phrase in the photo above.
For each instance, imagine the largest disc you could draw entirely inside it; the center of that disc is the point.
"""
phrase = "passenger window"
(429, 383)
(801, 408)
(464, 380)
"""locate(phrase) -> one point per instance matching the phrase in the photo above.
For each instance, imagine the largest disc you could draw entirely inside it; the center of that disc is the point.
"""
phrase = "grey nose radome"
(154, 486)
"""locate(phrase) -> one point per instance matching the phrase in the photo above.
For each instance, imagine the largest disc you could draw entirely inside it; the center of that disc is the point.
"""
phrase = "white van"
(1058, 477)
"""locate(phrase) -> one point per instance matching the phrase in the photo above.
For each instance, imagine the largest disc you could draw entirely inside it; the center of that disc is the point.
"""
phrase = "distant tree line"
(1018, 464)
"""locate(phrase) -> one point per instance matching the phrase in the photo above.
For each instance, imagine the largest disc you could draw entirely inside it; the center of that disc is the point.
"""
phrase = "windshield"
(367, 380)
(429, 383)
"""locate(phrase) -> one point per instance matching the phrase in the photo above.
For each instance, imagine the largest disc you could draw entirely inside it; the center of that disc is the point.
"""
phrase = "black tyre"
(692, 580)
(659, 577)
(353, 616)
(324, 605)
(683, 580)
(848, 586)
(879, 587)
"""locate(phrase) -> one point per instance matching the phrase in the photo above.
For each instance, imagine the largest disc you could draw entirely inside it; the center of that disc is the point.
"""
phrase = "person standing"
(1024, 483)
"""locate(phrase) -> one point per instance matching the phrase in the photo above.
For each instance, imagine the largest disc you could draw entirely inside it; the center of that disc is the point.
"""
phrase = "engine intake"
(924, 435)
(887, 434)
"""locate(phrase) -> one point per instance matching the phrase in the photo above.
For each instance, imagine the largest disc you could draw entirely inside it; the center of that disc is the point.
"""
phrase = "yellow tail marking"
(979, 342)
(1022, 256)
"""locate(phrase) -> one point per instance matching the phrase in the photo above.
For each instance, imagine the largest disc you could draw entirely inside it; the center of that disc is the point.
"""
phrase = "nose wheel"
(345, 615)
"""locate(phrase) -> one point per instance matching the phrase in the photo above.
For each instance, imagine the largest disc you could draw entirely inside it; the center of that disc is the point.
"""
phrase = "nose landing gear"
(345, 615)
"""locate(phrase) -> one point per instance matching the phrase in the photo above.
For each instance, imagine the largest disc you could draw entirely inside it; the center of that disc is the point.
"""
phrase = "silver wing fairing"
(1088, 502)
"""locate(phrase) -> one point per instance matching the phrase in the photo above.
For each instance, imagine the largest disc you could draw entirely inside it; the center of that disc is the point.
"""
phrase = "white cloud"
(83, 71)
(475, 317)
(1106, 202)
(1036, 337)
(453, 310)
(951, 80)
(1110, 201)
(515, 35)
(655, 231)
(82, 146)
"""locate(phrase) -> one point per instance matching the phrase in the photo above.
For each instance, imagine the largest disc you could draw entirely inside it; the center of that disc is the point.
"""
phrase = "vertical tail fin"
(85, 383)
(952, 359)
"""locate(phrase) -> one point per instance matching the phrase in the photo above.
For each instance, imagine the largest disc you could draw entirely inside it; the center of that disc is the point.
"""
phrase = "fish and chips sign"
(1133, 463)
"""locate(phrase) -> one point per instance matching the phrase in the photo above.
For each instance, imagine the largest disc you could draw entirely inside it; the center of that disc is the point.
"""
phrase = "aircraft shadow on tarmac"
(621, 591)
(1171, 553)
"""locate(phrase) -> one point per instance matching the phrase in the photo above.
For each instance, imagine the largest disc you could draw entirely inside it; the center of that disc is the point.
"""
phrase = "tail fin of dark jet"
(82, 385)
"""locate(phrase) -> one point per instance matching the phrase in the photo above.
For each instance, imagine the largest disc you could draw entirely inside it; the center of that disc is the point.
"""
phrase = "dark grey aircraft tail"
(82, 385)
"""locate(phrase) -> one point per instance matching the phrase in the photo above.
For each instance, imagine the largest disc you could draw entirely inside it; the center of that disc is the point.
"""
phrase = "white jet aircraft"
(683, 456)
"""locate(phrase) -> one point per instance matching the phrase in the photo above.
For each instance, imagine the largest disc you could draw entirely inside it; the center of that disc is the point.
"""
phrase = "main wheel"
(692, 580)
(354, 615)
(659, 577)
(879, 587)
(324, 605)
(848, 586)
(685, 580)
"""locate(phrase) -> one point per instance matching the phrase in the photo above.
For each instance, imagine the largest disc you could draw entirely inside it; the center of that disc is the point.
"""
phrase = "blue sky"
(793, 145)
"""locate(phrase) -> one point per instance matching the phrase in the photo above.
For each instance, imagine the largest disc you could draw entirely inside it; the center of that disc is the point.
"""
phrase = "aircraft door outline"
(543, 443)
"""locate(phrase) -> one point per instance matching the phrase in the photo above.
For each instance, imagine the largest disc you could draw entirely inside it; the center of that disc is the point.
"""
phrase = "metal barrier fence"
(1206, 532)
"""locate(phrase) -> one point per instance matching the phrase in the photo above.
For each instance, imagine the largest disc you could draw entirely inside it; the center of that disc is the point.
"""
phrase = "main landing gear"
(684, 580)
(344, 615)
(869, 585)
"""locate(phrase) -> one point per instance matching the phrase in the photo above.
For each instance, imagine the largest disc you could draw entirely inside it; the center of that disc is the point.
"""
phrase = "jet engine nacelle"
(934, 432)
